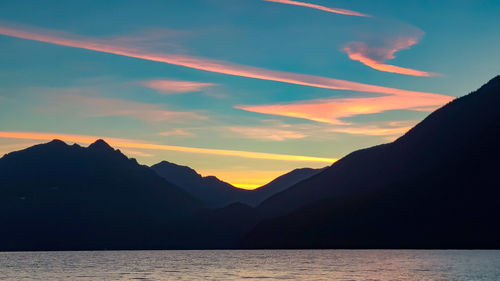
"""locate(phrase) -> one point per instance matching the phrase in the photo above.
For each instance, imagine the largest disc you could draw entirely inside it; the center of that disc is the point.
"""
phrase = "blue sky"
(436, 50)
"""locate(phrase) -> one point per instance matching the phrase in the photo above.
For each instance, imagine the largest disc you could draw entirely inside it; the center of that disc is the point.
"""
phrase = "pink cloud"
(205, 64)
(319, 7)
(176, 132)
(375, 57)
(333, 110)
(101, 107)
(153, 38)
(176, 86)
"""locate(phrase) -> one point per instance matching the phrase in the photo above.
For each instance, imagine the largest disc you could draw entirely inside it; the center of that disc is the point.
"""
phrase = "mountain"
(221, 228)
(210, 190)
(216, 193)
(435, 187)
(54, 196)
(279, 184)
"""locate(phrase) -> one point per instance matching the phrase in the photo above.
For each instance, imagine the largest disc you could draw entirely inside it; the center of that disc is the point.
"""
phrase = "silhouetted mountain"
(54, 196)
(279, 184)
(435, 187)
(210, 190)
(219, 228)
(225, 227)
(216, 193)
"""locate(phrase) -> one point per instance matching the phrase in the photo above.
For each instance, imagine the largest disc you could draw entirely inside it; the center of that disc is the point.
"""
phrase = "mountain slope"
(436, 186)
(57, 197)
(441, 134)
(279, 184)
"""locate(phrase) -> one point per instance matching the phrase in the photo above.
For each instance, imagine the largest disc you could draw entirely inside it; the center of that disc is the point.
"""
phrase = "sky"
(245, 90)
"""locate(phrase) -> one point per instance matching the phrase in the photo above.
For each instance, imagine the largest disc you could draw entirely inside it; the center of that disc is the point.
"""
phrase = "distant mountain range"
(216, 193)
(210, 190)
(435, 187)
(55, 196)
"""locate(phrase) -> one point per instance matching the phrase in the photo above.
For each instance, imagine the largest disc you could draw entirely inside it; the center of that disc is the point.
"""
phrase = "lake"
(258, 264)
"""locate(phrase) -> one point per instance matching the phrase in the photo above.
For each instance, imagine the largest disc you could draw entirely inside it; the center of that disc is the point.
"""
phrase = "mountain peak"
(56, 142)
(171, 169)
(100, 145)
(495, 79)
(493, 83)
(165, 163)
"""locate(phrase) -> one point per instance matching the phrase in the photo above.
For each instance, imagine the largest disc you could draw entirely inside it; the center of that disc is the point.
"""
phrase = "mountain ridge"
(434, 187)
(217, 193)
(56, 196)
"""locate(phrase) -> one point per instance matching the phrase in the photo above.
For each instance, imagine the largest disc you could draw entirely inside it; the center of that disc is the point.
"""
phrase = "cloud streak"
(319, 7)
(375, 57)
(205, 64)
(372, 130)
(175, 86)
(333, 110)
(176, 132)
(263, 133)
(135, 144)
(103, 107)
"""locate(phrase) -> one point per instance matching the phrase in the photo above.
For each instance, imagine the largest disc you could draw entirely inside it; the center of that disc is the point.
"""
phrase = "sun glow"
(245, 179)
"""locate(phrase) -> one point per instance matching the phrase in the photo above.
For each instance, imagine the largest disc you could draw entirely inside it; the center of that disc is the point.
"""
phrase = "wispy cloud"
(333, 110)
(101, 107)
(136, 153)
(176, 132)
(375, 57)
(319, 7)
(136, 144)
(154, 39)
(204, 64)
(372, 130)
(265, 133)
(274, 130)
(175, 86)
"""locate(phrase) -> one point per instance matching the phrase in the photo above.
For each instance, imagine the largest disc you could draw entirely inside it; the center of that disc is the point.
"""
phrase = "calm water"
(239, 265)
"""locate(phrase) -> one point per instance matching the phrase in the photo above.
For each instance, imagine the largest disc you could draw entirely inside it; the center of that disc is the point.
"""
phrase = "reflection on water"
(239, 265)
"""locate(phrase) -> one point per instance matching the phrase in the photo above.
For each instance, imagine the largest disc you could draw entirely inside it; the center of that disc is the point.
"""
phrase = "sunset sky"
(244, 90)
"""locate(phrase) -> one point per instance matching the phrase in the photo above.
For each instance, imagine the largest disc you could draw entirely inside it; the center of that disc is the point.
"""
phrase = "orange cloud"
(176, 86)
(264, 133)
(332, 110)
(318, 7)
(203, 64)
(126, 143)
(374, 57)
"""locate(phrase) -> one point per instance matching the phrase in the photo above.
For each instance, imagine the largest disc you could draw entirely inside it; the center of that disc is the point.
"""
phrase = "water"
(245, 265)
